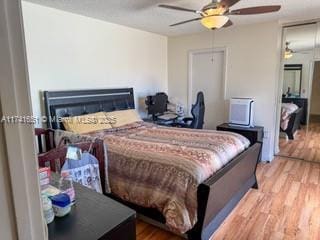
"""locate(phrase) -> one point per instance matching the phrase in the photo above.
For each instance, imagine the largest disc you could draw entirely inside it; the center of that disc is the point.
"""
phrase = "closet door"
(207, 70)
(301, 85)
(312, 146)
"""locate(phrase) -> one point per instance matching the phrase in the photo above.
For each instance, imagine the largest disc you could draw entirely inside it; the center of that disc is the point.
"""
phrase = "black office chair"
(197, 112)
(157, 104)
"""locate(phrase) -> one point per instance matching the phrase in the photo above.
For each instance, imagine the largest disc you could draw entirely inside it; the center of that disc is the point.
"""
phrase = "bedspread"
(286, 110)
(161, 167)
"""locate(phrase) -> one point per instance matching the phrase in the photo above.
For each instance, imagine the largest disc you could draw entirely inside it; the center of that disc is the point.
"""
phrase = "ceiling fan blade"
(177, 8)
(229, 3)
(255, 10)
(228, 24)
(191, 20)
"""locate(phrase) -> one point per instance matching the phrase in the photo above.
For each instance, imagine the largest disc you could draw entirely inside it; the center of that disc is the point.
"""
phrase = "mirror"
(292, 80)
(312, 142)
(298, 76)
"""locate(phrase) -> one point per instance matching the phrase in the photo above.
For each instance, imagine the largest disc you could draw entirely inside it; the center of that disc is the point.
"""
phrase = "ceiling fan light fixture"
(214, 22)
(216, 14)
(288, 55)
(215, 11)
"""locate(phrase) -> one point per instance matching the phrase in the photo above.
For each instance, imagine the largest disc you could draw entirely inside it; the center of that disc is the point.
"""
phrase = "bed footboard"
(217, 196)
(220, 194)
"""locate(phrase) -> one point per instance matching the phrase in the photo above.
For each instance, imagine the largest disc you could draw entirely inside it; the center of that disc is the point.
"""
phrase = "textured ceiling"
(145, 15)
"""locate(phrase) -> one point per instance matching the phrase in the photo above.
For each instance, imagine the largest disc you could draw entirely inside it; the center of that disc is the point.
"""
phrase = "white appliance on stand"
(241, 112)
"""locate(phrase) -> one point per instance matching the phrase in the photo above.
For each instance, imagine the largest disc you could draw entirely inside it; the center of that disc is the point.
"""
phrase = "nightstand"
(254, 134)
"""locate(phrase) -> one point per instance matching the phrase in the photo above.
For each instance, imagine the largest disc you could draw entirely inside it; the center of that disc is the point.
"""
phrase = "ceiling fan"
(288, 53)
(216, 14)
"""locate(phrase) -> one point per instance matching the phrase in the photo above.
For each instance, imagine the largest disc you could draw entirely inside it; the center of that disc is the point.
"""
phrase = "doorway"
(207, 74)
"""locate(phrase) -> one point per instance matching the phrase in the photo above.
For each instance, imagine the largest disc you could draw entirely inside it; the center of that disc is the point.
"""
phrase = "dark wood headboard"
(60, 104)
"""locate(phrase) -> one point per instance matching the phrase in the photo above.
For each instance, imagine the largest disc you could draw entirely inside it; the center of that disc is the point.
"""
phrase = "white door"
(207, 75)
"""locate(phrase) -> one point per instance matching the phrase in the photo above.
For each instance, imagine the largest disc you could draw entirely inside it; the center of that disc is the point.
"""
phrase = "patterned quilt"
(286, 110)
(161, 167)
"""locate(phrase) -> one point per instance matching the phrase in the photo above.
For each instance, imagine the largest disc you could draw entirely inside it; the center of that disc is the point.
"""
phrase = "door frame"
(18, 139)
(278, 91)
(190, 64)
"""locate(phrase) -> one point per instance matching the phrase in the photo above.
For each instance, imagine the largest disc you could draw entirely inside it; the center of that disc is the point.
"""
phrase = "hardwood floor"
(286, 206)
(306, 144)
(312, 144)
(293, 148)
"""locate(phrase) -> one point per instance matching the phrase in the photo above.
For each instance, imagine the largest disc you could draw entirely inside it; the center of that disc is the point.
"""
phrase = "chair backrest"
(44, 139)
(197, 112)
(54, 158)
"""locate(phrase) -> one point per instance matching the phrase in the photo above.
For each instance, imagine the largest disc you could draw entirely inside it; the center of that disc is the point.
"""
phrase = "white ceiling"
(145, 15)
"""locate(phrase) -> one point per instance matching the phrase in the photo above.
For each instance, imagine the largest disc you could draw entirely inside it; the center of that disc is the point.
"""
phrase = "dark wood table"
(94, 216)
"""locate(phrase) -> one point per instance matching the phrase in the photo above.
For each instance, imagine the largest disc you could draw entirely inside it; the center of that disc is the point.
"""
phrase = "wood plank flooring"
(312, 143)
(306, 144)
(293, 148)
(286, 206)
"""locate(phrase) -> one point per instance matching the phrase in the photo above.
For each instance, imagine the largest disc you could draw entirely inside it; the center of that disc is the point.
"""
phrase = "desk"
(158, 121)
(94, 216)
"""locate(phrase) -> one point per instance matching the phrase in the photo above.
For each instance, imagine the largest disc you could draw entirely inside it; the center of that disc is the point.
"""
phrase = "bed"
(290, 121)
(216, 195)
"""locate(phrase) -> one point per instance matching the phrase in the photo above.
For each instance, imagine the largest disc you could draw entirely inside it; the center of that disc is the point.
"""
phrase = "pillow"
(123, 117)
(87, 123)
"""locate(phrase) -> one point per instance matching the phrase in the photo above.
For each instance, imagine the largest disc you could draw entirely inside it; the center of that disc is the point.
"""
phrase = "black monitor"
(157, 104)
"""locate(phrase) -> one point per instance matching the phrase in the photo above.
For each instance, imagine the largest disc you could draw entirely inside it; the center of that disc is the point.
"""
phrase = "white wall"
(7, 217)
(253, 59)
(69, 51)
(18, 163)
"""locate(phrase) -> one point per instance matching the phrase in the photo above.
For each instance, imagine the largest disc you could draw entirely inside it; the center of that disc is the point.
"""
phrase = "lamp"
(214, 18)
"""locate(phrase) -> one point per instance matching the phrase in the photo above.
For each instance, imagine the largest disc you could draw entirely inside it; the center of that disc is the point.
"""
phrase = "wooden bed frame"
(294, 123)
(217, 196)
